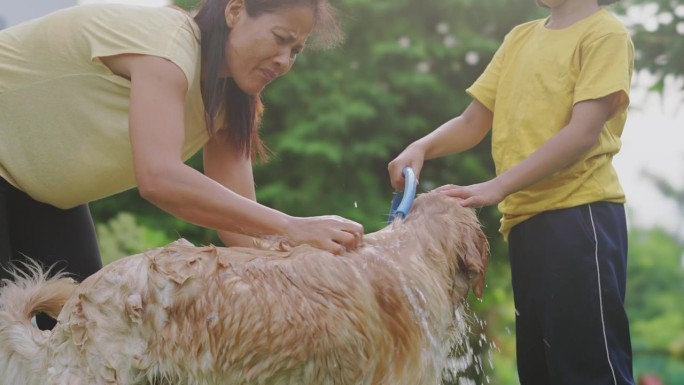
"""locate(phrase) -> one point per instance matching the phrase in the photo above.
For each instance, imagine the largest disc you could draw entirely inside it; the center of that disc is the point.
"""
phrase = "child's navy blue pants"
(569, 269)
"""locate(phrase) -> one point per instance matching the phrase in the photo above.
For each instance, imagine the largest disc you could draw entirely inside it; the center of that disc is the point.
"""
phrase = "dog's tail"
(30, 290)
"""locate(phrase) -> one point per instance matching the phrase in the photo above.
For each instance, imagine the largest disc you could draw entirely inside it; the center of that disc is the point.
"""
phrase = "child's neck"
(570, 12)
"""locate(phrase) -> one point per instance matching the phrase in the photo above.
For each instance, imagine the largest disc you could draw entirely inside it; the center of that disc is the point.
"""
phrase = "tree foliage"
(658, 32)
(655, 287)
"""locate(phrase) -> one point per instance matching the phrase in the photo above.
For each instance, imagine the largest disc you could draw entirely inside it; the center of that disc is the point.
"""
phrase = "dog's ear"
(475, 257)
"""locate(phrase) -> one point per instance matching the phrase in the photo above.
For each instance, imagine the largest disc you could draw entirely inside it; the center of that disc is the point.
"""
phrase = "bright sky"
(653, 140)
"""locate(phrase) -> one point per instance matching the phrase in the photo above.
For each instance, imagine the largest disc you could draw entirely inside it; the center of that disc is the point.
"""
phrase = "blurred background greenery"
(337, 119)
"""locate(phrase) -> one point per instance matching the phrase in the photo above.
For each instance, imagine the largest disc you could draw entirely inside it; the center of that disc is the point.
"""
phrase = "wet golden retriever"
(383, 314)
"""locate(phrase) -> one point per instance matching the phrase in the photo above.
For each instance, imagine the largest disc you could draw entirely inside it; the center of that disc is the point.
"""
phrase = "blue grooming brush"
(401, 203)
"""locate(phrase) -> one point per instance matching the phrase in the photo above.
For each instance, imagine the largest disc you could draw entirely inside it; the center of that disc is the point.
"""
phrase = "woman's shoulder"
(182, 17)
(128, 18)
(113, 29)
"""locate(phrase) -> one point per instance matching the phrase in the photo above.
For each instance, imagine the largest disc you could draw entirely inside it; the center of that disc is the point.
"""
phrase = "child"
(555, 95)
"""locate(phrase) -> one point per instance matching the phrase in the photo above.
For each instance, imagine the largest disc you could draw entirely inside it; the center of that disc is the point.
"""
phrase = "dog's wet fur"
(182, 314)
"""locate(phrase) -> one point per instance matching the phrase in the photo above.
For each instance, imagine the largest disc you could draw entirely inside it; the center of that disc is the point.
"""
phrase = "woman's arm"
(158, 89)
(235, 173)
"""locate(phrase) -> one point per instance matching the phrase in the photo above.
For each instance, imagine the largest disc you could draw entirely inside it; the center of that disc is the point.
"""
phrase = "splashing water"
(463, 357)
(415, 298)
(454, 356)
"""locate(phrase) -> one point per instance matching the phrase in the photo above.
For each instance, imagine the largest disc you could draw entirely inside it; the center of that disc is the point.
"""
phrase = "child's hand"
(476, 195)
(413, 156)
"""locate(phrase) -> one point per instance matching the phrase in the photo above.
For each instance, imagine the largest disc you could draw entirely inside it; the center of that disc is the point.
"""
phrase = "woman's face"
(261, 48)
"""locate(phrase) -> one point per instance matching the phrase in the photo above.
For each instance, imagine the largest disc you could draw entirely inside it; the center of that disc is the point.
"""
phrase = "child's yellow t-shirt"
(531, 86)
(64, 136)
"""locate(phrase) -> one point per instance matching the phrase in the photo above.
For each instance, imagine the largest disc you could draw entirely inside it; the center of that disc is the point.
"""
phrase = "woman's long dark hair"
(229, 111)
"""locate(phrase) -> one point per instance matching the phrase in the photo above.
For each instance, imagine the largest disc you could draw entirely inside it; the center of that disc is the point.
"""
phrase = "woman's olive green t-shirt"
(64, 137)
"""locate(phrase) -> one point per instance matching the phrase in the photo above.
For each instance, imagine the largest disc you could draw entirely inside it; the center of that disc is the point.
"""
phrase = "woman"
(98, 99)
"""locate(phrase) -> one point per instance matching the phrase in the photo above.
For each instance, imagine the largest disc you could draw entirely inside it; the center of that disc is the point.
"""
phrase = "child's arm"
(563, 149)
(458, 134)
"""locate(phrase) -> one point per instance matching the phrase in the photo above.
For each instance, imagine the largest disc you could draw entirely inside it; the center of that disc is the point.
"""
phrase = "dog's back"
(243, 316)
(206, 315)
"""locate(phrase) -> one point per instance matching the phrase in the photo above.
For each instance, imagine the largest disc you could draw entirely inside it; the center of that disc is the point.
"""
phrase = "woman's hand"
(330, 232)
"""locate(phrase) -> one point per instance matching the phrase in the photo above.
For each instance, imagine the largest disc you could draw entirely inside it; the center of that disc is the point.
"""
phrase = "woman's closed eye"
(286, 40)
(295, 51)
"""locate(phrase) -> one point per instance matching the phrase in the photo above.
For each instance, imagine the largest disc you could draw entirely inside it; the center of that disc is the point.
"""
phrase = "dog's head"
(453, 238)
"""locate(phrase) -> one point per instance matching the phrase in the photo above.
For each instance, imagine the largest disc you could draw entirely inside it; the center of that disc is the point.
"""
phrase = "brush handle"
(401, 203)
